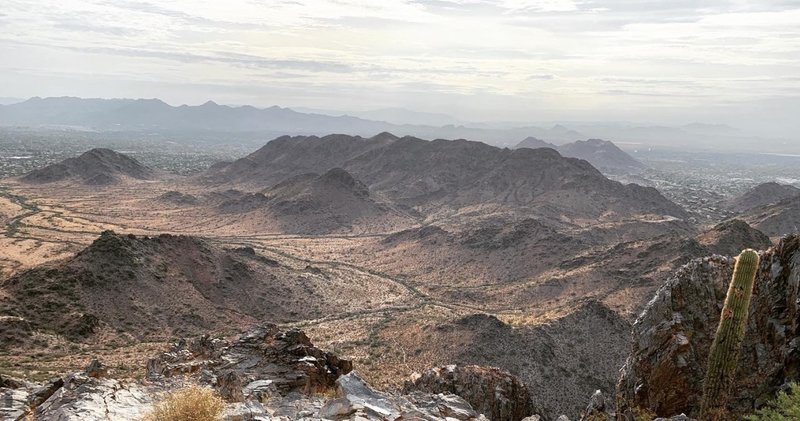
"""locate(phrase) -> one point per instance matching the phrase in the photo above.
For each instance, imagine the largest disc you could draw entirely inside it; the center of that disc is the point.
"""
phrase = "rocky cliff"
(672, 337)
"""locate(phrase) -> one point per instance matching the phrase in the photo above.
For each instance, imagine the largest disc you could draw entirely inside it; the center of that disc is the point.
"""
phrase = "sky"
(679, 61)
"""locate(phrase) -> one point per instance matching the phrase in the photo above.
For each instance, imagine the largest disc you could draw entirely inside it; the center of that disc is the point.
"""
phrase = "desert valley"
(397, 254)
(396, 210)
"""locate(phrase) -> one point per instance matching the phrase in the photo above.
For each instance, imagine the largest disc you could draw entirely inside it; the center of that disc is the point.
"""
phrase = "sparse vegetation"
(785, 407)
(193, 403)
(644, 414)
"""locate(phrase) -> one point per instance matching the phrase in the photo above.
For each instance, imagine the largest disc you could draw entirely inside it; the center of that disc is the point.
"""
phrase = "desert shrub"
(643, 414)
(785, 407)
(193, 403)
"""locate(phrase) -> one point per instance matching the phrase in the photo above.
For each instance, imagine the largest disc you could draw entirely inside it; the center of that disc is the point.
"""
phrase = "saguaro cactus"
(724, 356)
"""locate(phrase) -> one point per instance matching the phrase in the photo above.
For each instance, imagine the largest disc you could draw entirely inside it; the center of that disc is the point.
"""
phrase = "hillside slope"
(333, 202)
(155, 287)
(776, 219)
(762, 195)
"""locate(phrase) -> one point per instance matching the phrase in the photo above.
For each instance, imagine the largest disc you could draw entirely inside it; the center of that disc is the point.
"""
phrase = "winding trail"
(29, 209)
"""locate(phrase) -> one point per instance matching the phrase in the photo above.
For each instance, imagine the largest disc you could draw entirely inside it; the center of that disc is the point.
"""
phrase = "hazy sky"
(640, 60)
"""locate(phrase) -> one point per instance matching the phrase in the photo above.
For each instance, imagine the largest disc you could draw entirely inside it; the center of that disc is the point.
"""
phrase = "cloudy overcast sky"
(534, 60)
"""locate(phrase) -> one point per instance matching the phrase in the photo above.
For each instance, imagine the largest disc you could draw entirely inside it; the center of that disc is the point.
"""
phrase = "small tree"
(785, 407)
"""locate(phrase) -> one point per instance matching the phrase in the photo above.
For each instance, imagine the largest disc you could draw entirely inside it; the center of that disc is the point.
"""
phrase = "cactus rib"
(724, 356)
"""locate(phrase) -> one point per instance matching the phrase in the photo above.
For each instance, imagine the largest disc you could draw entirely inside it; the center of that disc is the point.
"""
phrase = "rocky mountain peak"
(342, 178)
(534, 143)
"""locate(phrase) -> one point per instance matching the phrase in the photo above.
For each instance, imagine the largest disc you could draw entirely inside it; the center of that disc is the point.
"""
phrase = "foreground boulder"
(672, 337)
(356, 400)
(492, 391)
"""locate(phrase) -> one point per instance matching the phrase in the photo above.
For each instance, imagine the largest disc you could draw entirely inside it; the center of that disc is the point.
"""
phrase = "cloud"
(529, 55)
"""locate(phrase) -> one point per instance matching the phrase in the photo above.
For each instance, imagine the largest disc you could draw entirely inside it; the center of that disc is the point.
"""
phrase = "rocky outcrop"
(355, 399)
(599, 409)
(265, 374)
(85, 398)
(492, 391)
(265, 359)
(672, 337)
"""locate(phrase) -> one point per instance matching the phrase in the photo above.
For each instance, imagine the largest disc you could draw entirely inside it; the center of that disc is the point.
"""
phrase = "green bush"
(785, 407)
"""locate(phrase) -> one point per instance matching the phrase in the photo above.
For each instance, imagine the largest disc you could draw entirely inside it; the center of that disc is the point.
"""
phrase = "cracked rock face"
(13, 402)
(492, 391)
(263, 361)
(355, 399)
(84, 398)
(664, 373)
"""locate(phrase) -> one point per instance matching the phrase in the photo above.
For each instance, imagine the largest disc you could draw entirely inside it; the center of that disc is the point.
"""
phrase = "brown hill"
(775, 220)
(762, 195)
(98, 166)
(318, 204)
(443, 175)
(731, 237)
(154, 287)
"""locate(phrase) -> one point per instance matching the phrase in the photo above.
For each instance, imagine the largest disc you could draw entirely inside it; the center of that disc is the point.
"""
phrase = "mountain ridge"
(457, 173)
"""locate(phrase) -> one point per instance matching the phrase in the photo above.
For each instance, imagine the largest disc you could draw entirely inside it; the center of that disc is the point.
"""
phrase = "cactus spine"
(724, 356)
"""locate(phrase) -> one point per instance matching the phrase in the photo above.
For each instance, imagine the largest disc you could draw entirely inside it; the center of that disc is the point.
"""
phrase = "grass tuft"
(193, 403)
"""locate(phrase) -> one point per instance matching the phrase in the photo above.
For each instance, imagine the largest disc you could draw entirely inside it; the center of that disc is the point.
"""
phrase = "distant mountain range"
(7, 100)
(393, 115)
(155, 115)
